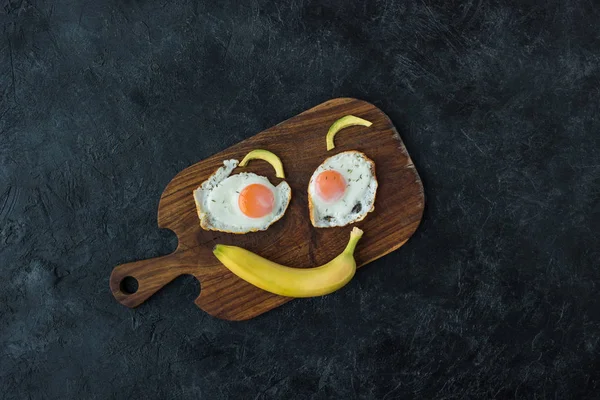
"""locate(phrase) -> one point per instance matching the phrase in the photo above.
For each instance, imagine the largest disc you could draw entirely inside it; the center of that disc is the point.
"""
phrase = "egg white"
(217, 201)
(358, 199)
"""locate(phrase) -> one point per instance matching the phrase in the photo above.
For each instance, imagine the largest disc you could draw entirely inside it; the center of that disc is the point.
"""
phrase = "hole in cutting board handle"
(129, 285)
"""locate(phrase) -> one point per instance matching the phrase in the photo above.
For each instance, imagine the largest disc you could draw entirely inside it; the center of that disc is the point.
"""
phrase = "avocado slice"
(261, 154)
(344, 122)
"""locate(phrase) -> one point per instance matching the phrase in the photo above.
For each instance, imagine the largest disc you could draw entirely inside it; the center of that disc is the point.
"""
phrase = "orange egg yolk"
(330, 185)
(256, 200)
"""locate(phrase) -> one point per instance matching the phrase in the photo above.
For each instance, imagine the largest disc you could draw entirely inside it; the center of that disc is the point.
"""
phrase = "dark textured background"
(496, 295)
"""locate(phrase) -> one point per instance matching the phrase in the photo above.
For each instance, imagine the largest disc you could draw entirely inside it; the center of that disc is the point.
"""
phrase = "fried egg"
(240, 203)
(342, 190)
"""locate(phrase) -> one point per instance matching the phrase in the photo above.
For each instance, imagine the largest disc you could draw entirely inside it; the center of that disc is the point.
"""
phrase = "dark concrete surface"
(495, 296)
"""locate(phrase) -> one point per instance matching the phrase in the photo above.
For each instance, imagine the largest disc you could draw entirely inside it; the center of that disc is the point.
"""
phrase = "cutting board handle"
(132, 283)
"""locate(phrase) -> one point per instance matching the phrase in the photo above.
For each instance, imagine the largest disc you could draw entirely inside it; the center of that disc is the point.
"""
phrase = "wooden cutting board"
(292, 241)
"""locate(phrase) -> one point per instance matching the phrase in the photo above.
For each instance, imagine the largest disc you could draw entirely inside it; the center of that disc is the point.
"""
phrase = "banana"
(291, 282)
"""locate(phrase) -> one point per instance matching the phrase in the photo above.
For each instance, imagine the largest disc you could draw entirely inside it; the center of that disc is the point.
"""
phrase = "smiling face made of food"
(341, 191)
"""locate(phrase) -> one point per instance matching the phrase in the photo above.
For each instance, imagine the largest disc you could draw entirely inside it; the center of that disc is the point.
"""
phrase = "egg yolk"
(330, 185)
(256, 200)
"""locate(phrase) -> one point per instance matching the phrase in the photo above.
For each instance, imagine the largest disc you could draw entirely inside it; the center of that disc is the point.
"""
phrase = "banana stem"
(355, 236)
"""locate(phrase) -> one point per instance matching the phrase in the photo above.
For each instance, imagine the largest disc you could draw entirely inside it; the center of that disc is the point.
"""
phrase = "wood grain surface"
(292, 241)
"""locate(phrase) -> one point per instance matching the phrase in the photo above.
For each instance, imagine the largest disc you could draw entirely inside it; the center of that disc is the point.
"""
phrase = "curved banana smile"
(289, 281)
